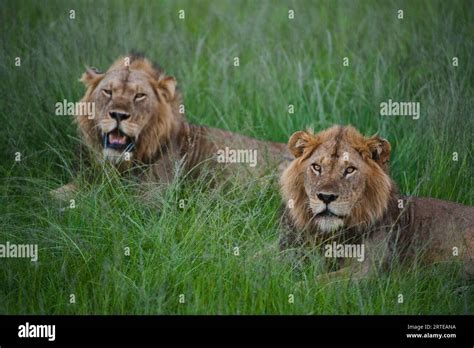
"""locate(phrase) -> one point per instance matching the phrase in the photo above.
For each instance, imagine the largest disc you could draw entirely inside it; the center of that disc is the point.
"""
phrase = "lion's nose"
(327, 198)
(119, 116)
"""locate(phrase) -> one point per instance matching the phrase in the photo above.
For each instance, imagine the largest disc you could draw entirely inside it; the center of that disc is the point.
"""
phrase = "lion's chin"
(329, 224)
(115, 156)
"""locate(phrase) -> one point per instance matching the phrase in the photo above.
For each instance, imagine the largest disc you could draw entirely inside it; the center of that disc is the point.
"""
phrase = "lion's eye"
(107, 92)
(316, 168)
(349, 170)
(140, 96)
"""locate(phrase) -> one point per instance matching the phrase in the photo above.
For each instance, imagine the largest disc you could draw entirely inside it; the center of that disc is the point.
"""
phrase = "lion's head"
(338, 179)
(136, 110)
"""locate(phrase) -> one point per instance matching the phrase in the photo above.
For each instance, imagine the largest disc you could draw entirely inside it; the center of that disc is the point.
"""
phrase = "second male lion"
(338, 193)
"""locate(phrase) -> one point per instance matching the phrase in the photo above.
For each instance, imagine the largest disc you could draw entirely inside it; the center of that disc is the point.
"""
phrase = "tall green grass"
(190, 250)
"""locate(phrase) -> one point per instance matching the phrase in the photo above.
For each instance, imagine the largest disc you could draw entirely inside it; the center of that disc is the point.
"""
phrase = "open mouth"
(118, 140)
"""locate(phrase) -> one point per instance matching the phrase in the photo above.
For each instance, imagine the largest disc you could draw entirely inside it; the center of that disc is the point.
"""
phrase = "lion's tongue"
(117, 139)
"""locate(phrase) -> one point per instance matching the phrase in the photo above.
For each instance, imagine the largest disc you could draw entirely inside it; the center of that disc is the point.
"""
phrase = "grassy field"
(190, 251)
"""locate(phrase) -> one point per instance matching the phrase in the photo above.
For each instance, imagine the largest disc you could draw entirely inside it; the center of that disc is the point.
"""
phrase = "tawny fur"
(389, 224)
(163, 136)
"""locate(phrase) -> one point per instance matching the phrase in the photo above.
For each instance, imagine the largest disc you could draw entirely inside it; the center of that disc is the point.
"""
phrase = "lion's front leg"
(354, 271)
(64, 193)
(374, 255)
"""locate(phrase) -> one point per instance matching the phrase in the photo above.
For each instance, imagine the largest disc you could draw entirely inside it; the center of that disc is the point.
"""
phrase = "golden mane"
(378, 190)
(160, 129)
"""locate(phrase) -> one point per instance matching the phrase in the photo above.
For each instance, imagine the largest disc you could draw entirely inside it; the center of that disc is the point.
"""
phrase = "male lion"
(139, 122)
(338, 192)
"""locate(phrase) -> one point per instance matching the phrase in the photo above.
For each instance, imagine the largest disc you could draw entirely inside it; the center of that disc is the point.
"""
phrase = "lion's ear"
(90, 76)
(168, 86)
(380, 150)
(298, 142)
